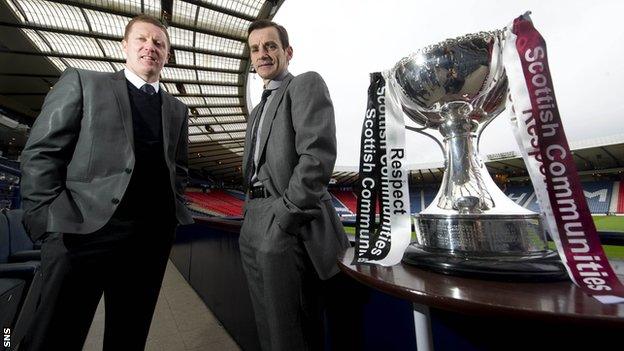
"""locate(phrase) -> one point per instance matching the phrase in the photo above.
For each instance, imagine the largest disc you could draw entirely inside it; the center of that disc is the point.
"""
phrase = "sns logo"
(7, 337)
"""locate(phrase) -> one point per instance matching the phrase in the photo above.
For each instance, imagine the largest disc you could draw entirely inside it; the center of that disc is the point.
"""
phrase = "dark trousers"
(125, 261)
(284, 286)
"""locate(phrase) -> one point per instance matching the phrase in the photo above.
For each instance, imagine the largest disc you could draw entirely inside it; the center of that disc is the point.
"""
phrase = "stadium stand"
(236, 193)
(9, 184)
(428, 196)
(520, 194)
(341, 209)
(415, 201)
(603, 197)
(598, 195)
(217, 202)
(347, 198)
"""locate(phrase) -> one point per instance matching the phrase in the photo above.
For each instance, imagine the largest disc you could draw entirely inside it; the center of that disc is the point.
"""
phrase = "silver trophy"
(457, 87)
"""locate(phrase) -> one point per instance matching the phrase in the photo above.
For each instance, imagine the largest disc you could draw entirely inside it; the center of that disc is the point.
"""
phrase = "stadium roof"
(207, 71)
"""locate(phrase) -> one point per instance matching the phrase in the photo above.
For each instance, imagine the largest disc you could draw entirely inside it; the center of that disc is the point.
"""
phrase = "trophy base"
(537, 267)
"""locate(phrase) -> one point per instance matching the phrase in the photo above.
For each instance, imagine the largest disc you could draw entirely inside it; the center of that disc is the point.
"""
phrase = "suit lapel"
(167, 114)
(271, 112)
(250, 122)
(120, 89)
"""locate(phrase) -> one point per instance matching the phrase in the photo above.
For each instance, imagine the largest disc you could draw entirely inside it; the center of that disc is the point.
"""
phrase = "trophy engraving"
(457, 87)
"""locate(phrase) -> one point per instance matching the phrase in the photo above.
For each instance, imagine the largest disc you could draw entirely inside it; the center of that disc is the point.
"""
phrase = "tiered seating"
(429, 195)
(520, 194)
(598, 195)
(217, 201)
(236, 193)
(347, 198)
(415, 201)
(620, 203)
(341, 209)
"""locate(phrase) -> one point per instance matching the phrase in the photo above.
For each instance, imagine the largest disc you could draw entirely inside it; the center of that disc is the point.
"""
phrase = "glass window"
(213, 61)
(218, 90)
(37, 40)
(192, 89)
(90, 65)
(240, 118)
(237, 135)
(181, 37)
(171, 88)
(196, 130)
(106, 23)
(201, 120)
(225, 111)
(210, 42)
(219, 136)
(211, 101)
(16, 11)
(222, 23)
(184, 13)
(112, 48)
(198, 138)
(235, 127)
(246, 7)
(184, 58)
(178, 74)
(118, 66)
(58, 63)
(72, 44)
(54, 15)
(191, 101)
(217, 77)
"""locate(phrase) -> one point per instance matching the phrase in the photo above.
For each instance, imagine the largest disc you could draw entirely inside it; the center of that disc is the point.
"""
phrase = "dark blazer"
(298, 152)
(79, 157)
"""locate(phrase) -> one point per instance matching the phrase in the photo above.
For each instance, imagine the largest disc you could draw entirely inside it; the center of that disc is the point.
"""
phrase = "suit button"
(115, 200)
(128, 170)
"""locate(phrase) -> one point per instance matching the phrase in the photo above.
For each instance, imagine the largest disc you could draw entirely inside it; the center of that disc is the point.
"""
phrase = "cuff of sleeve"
(285, 219)
(35, 224)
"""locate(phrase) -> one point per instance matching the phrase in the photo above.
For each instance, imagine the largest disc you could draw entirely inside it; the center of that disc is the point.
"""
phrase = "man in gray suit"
(103, 175)
(291, 234)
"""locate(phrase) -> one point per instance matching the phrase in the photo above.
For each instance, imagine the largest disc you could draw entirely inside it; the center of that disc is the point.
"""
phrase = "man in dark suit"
(103, 175)
(291, 234)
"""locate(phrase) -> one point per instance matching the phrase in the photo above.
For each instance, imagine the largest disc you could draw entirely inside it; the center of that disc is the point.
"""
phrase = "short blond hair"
(147, 19)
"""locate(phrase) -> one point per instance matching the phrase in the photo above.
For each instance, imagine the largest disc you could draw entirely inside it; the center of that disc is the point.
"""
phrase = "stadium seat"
(347, 198)
(217, 201)
(28, 272)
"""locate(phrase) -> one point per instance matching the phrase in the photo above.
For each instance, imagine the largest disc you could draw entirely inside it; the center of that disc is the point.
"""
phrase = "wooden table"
(552, 302)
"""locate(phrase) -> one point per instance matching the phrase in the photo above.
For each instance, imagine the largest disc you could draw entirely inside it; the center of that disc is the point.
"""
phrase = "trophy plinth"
(456, 88)
(497, 247)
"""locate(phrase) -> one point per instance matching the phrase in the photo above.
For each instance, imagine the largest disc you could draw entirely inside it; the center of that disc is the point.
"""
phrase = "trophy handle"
(481, 129)
(422, 131)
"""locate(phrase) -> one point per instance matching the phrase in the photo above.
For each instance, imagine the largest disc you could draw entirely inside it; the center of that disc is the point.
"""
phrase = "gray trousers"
(285, 288)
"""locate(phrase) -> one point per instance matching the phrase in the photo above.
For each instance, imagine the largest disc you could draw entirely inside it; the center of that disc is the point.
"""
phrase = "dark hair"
(147, 19)
(264, 23)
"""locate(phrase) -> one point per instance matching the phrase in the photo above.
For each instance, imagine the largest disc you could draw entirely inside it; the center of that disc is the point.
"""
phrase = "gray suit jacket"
(79, 157)
(297, 156)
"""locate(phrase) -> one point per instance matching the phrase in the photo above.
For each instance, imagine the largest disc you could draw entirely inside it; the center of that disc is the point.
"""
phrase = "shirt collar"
(138, 81)
(276, 82)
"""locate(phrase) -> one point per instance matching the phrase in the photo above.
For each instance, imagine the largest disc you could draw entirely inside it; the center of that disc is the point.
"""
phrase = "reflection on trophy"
(456, 88)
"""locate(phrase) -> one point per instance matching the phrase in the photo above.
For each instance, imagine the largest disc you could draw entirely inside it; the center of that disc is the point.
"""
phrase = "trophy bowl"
(457, 87)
